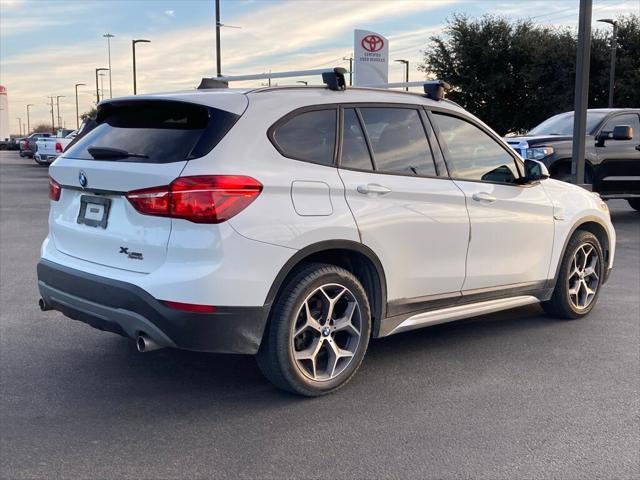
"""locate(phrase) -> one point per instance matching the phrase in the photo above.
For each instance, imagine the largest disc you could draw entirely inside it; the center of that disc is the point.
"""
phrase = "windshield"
(562, 124)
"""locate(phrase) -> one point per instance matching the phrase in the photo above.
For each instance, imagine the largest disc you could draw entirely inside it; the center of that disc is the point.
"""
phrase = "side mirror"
(622, 132)
(535, 171)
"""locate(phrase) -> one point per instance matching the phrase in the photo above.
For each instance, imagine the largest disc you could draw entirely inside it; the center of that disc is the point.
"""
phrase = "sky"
(47, 46)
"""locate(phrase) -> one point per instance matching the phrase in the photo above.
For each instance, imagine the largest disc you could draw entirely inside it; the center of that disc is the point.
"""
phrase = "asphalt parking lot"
(516, 395)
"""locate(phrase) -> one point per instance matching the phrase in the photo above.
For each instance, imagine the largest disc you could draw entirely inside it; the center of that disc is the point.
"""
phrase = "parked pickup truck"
(28, 145)
(50, 148)
(612, 150)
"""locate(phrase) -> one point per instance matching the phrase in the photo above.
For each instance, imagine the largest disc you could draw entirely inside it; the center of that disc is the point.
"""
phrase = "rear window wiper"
(107, 153)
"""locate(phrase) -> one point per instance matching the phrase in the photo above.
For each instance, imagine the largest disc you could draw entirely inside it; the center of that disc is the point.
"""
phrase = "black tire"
(276, 354)
(634, 203)
(561, 305)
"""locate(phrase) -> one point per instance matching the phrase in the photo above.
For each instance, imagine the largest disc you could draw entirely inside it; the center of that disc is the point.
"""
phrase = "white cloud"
(170, 13)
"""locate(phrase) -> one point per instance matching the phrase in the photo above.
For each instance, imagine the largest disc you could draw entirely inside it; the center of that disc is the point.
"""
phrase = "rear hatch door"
(136, 144)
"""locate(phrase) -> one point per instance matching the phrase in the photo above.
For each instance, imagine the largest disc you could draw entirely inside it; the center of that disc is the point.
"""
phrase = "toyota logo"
(82, 178)
(372, 43)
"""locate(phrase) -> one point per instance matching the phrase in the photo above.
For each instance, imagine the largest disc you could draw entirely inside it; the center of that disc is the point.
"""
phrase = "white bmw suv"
(296, 223)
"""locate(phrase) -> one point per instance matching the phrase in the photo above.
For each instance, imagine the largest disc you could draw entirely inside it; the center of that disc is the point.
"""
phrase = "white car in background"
(296, 223)
(51, 148)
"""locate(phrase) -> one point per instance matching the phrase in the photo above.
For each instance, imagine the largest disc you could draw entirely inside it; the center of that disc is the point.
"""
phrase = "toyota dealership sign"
(371, 58)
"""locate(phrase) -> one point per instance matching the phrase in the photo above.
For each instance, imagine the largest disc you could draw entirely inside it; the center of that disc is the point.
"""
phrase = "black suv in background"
(612, 150)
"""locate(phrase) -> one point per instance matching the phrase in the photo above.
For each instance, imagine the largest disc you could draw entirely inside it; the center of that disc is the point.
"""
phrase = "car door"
(410, 214)
(512, 224)
(618, 169)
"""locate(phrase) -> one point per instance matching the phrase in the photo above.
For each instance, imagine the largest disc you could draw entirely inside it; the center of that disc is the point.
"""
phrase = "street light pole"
(28, 122)
(58, 97)
(53, 123)
(406, 72)
(581, 92)
(20, 125)
(133, 47)
(97, 88)
(614, 48)
(77, 112)
(101, 75)
(350, 69)
(109, 36)
(218, 25)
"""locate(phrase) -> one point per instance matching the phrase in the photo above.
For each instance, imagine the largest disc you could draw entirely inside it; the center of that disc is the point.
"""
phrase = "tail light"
(54, 190)
(199, 199)
(26, 143)
(58, 147)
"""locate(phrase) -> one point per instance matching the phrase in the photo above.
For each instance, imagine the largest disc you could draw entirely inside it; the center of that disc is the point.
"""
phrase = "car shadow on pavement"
(177, 381)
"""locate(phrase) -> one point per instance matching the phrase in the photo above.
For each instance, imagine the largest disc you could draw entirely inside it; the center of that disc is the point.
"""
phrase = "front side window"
(398, 141)
(472, 154)
(309, 136)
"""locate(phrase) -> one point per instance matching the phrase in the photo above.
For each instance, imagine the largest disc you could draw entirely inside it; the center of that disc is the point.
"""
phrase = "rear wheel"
(318, 333)
(579, 279)
(634, 203)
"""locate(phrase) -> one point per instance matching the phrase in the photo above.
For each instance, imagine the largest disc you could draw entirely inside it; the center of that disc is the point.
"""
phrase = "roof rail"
(433, 89)
(223, 82)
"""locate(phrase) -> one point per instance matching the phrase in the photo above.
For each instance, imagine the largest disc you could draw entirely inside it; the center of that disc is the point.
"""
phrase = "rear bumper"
(128, 310)
(44, 158)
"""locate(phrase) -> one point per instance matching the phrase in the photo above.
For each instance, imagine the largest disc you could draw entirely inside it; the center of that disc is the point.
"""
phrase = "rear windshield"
(153, 132)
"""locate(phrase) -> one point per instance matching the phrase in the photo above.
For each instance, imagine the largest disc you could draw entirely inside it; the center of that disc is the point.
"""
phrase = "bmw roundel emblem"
(82, 178)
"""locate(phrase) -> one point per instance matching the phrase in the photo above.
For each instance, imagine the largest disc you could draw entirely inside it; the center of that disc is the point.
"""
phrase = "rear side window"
(309, 136)
(355, 153)
(399, 141)
(153, 132)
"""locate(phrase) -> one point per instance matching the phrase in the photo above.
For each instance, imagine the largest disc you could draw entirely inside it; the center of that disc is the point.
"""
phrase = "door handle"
(483, 197)
(373, 188)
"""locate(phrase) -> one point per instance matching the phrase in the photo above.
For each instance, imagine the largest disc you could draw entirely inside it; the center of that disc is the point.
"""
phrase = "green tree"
(90, 114)
(41, 128)
(513, 75)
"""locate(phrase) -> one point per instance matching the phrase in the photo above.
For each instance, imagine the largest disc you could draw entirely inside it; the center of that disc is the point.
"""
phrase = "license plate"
(94, 211)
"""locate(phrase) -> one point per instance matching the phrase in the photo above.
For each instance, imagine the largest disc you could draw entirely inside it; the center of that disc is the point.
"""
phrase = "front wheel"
(579, 279)
(318, 333)
(634, 203)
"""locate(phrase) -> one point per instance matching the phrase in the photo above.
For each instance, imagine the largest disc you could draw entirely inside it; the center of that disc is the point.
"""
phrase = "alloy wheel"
(583, 281)
(326, 333)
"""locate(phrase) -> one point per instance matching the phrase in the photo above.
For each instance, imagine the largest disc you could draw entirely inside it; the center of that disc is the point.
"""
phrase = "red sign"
(372, 43)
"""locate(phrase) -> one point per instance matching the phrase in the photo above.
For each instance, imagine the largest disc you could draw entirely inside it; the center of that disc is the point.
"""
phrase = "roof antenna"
(436, 89)
(335, 79)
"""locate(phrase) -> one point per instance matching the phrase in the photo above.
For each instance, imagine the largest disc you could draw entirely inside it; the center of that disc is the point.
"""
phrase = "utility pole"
(53, 123)
(109, 36)
(218, 25)
(614, 48)
(350, 68)
(581, 92)
(97, 88)
(28, 122)
(20, 125)
(58, 97)
(133, 46)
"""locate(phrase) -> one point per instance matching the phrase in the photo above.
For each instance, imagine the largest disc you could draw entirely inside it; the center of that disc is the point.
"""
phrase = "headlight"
(538, 153)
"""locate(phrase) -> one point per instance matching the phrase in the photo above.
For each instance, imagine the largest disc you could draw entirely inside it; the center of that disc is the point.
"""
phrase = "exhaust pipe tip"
(44, 306)
(145, 344)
